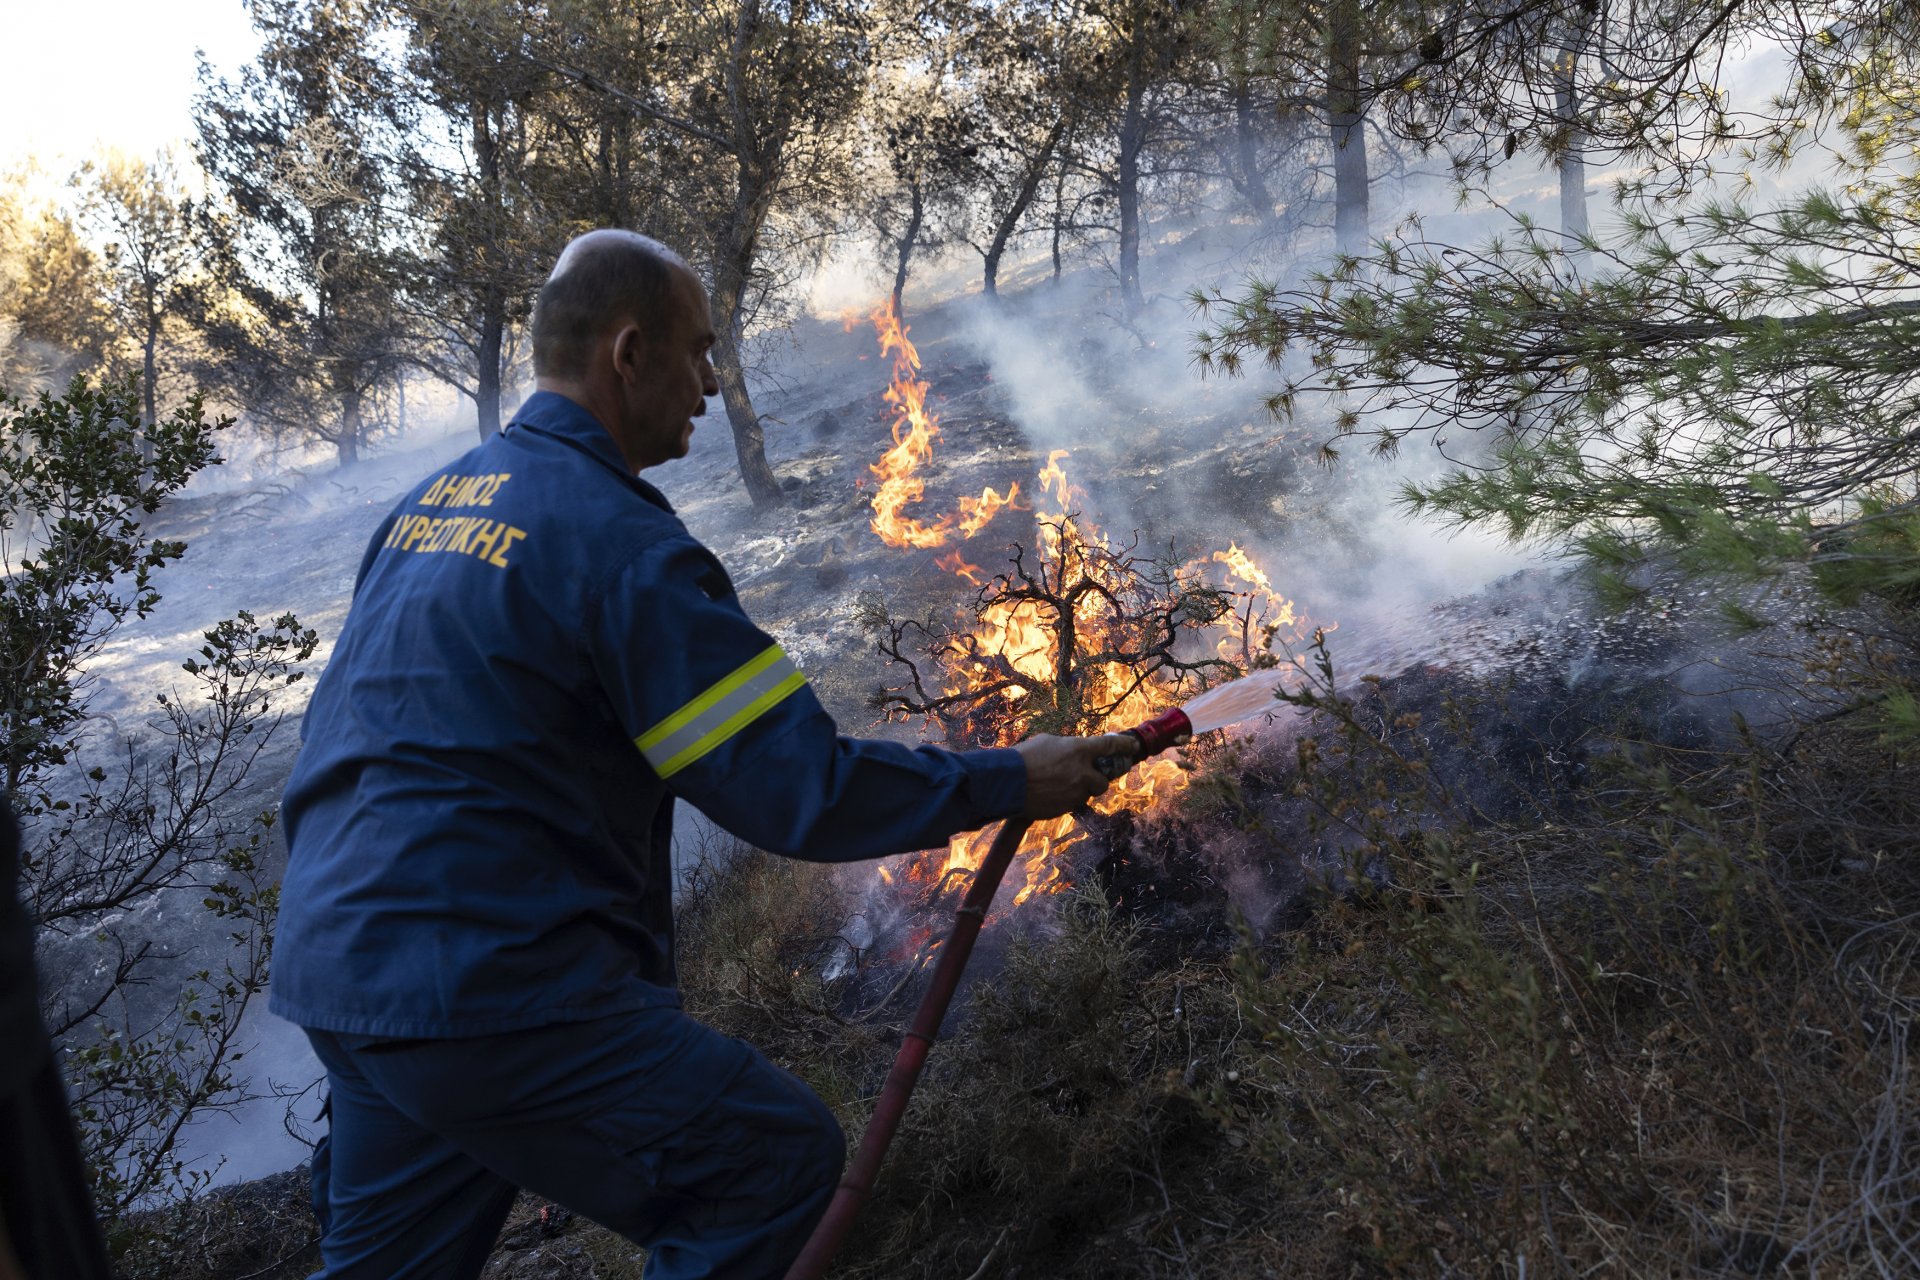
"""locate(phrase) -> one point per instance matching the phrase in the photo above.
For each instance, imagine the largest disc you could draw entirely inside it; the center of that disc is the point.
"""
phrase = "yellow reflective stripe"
(725, 708)
(732, 725)
(720, 689)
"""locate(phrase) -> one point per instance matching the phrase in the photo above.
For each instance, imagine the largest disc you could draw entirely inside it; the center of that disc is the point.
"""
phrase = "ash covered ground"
(1157, 450)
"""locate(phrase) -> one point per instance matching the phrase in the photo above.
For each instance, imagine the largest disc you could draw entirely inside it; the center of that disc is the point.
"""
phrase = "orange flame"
(956, 564)
(915, 428)
(1018, 636)
(1240, 565)
(1053, 480)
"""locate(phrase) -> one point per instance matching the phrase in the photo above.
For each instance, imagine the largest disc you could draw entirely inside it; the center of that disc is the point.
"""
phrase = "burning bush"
(1073, 637)
(1077, 635)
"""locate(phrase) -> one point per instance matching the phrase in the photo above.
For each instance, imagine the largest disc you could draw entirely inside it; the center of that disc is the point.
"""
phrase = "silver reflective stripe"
(727, 707)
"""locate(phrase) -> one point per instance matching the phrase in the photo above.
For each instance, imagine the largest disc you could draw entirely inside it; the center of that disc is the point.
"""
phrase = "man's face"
(672, 378)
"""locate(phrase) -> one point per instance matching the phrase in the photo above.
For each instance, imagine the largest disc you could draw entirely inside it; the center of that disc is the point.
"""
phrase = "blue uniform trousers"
(685, 1141)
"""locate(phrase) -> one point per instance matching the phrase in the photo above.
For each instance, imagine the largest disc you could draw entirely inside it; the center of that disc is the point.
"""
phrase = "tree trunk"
(731, 267)
(732, 264)
(1132, 140)
(749, 438)
(1023, 198)
(493, 324)
(149, 376)
(757, 148)
(148, 372)
(346, 445)
(907, 239)
(1347, 116)
(1253, 183)
(493, 296)
(609, 192)
(1571, 160)
(1059, 220)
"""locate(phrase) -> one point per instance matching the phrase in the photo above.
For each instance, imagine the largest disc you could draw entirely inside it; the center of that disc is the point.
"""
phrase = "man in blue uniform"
(477, 926)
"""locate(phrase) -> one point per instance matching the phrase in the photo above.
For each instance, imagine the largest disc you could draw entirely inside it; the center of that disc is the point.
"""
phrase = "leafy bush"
(76, 482)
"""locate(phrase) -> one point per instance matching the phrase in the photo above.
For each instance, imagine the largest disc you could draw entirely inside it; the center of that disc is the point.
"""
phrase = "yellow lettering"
(414, 534)
(462, 493)
(438, 542)
(482, 543)
(399, 527)
(432, 496)
(493, 486)
(512, 536)
(457, 530)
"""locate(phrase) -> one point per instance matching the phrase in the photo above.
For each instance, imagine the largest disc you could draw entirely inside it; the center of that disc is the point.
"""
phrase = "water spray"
(1229, 704)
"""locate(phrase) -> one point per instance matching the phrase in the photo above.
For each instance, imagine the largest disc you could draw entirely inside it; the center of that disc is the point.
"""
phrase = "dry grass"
(1669, 1038)
(1668, 1034)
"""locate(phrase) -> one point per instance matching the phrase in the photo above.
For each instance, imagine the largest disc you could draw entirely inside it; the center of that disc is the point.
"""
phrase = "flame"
(1017, 637)
(1240, 565)
(975, 513)
(1016, 643)
(1248, 631)
(1053, 480)
(915, 428)
(956, 564)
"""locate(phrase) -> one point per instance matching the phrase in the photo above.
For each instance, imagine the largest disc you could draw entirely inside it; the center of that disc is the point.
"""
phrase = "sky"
(120, 72)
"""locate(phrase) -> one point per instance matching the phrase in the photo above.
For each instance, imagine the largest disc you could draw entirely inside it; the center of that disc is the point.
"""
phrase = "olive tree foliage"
(1240, 120)
(300, 147)
(1136, 86)
(1579, 83)
(1329, 60)
(147, 226)
(485, 219)
(1728, 385)
(921, 161)
(110, 827)
(1009, 56)
(55, 316)
(750, 107)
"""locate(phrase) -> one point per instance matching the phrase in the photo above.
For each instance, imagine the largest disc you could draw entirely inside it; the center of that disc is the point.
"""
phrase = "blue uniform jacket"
(539, 657)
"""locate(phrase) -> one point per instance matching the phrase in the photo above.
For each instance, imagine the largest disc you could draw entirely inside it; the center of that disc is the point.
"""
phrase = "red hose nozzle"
(1169, 729)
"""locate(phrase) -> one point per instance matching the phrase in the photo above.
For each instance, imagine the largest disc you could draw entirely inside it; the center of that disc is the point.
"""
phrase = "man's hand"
(1061, 775)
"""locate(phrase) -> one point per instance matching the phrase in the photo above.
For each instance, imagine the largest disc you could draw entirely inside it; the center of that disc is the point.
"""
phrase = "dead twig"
(992, 1253)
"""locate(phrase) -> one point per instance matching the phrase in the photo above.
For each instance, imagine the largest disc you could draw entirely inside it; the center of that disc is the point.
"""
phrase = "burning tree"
(1074, 635)
(1077, 635)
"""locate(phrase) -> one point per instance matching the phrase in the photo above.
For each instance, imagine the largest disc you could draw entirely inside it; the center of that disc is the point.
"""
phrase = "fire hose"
(1168, 729)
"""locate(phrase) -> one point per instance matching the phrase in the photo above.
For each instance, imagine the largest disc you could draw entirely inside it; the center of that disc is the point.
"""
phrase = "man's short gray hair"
(602, 278)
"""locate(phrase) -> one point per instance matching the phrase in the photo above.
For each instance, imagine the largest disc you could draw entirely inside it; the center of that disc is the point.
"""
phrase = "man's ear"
(629, 351)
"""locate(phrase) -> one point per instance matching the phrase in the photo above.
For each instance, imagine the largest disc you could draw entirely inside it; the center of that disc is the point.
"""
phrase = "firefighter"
(476, 928)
